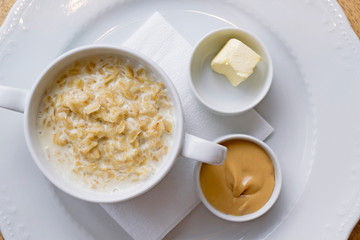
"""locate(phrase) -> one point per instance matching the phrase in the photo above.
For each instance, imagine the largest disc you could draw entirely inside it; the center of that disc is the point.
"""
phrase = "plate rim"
(19, 7)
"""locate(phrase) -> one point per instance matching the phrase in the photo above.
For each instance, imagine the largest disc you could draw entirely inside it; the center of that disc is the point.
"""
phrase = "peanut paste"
(243, 184)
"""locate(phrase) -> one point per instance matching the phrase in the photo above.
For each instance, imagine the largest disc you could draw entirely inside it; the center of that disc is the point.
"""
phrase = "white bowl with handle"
(28, 103)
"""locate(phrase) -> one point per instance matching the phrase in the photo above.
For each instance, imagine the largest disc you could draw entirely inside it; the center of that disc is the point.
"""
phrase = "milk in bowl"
(106, 123)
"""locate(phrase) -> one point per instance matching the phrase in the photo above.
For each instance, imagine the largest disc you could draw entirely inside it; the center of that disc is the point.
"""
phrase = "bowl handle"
(203, 150)
(13, 98)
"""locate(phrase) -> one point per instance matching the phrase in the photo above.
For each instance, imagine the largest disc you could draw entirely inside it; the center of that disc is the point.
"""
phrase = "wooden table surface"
(350, 7)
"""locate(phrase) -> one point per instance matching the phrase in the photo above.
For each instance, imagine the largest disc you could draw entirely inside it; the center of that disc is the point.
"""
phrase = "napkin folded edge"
(112, 209)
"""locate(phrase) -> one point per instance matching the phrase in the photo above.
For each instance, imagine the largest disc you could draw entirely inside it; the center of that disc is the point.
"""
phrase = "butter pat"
(236, 61)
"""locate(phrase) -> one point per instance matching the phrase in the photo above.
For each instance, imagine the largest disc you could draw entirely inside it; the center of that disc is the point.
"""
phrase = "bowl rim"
(269, 76)
(83, 193)
(274, 196)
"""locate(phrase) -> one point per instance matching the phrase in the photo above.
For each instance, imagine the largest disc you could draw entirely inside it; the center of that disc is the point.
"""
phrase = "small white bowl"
(213, 89)
(268, 204)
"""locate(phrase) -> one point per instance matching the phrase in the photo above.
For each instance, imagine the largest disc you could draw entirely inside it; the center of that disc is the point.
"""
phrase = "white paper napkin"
(152, 215)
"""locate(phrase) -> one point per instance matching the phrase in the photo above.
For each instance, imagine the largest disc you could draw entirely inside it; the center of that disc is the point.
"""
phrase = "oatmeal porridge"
(106, 123)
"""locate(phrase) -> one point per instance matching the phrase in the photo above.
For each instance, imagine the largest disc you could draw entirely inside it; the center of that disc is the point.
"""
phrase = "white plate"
(312, 104)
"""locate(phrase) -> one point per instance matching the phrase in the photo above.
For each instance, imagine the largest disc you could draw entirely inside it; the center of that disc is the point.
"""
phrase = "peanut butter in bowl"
(246, 185)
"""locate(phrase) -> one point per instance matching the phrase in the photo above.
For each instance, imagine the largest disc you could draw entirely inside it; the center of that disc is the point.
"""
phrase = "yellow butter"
(236, 61)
